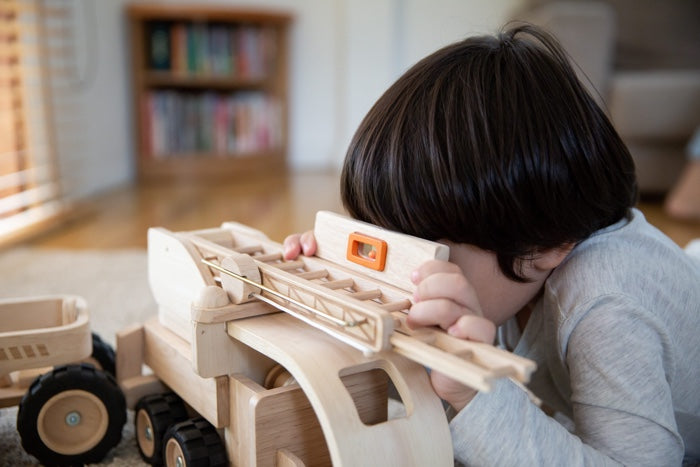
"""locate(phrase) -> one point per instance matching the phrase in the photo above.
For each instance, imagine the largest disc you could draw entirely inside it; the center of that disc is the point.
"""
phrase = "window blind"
(36, 60)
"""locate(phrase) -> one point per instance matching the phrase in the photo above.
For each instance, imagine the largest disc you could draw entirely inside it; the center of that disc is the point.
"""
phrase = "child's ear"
(550, 259)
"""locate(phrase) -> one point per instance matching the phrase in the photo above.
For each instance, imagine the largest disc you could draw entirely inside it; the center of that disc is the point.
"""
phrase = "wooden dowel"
(311, 275)
(365, 294)
(289, 265)
(266, 258)
(248, 249)
(396, 306)
(338, 284)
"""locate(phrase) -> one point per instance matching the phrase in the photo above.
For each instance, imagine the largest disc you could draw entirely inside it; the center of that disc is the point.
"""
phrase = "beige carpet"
(115, 285)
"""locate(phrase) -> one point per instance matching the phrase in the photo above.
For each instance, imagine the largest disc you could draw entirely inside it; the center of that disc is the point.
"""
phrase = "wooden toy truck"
(235, 381)
(68, 414)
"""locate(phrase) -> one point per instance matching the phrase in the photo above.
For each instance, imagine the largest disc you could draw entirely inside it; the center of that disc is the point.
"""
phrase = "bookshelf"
(210, 90)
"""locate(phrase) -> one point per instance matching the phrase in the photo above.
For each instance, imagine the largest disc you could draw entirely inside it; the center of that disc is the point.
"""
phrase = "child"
(493, 147)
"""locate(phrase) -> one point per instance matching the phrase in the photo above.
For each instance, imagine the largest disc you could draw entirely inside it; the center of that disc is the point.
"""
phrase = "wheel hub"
(72, 422)
(73, 418)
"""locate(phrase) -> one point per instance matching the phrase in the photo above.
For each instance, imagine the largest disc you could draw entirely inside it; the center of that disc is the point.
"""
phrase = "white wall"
(102, 156)
(344, 54)
(383, 38)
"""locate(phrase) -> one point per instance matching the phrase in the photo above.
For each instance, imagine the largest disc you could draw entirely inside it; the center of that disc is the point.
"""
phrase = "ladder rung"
(396, 306)
(365, 294)
(311, 275)
(248, 249)
(339, 284)
(289, 265)
(266, 258)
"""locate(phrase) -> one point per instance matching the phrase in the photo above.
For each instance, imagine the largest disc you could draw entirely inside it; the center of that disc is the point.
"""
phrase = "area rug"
(113, 282)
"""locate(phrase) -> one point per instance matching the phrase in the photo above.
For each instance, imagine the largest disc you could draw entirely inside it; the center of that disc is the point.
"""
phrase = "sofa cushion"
(660, 105)
(651, 34)
(657, 34)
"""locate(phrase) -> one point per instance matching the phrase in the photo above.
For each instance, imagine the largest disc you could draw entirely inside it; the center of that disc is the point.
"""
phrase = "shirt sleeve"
(504, 428)
(623, 414)
(621, 361)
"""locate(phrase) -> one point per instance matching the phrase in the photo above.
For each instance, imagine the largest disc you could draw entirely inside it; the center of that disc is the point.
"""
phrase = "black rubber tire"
(161, 411)
(199, 443)
(54, 396)
(103, 353)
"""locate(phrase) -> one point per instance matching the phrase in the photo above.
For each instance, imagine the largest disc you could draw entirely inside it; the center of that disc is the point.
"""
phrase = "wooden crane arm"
(337, 296)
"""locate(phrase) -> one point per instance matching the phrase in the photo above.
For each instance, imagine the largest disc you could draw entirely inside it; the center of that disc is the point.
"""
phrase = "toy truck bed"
(36, 333)
(70, 413)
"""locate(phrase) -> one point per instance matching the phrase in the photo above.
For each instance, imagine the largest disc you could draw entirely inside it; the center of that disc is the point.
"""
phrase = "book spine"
(159, 46)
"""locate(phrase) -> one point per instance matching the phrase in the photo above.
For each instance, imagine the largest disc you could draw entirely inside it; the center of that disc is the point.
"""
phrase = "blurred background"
(95, 127)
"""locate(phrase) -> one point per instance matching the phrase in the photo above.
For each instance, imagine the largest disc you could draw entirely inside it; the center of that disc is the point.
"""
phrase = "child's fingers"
(296, 244)
(292, 246)
(440, 312)
(452, 286)
(474, 328)
(433, 267)
(308, 243)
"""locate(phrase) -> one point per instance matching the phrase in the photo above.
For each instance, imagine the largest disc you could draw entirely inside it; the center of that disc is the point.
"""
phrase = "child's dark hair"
(491, 141)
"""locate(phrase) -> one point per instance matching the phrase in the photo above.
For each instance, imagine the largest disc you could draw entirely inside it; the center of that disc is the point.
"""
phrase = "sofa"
(641, 61)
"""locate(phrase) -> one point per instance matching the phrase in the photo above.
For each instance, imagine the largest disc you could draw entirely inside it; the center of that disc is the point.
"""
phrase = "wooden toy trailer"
(69, 413)
(306, 387)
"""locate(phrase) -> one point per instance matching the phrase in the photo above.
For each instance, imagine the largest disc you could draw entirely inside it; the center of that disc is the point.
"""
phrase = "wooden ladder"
(361, 311)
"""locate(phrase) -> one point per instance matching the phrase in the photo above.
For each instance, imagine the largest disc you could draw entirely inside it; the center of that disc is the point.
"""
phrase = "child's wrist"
(458, 403)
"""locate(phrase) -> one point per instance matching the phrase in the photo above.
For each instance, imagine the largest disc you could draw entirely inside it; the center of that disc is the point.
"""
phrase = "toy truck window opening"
(367, 251)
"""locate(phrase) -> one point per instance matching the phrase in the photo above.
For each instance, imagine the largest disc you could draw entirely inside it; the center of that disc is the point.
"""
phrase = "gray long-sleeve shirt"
(616, 339)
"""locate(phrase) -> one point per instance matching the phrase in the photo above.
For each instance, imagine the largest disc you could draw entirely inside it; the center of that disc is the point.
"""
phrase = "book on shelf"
(178, 48)
(159, 46)
(197, 48)
(228, 125)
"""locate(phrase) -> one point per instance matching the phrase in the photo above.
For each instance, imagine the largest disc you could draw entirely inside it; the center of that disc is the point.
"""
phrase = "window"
(36, 50)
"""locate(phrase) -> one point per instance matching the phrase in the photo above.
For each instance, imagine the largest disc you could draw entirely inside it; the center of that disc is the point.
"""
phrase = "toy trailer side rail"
(40, 332)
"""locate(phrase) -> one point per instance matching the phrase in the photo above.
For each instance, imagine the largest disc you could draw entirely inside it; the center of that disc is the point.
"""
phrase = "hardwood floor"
(681, 232)
(276, 204)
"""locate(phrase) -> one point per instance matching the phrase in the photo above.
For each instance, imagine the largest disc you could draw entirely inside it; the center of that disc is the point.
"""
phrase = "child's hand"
(445, 298)
(296, 244)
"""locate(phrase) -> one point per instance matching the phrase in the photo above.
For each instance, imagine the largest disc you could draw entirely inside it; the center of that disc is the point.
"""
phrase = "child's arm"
(621, 402)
